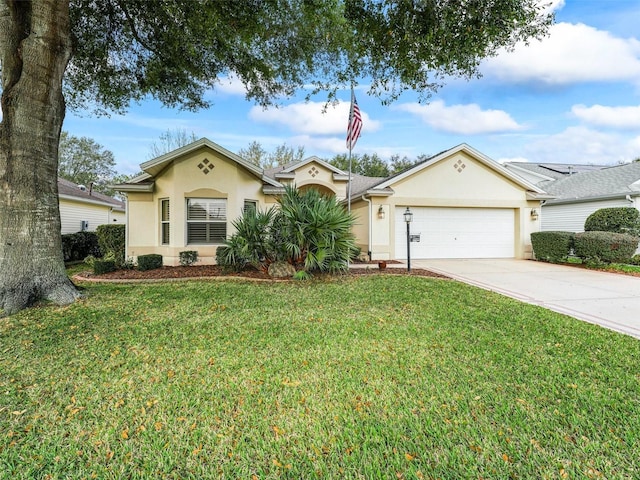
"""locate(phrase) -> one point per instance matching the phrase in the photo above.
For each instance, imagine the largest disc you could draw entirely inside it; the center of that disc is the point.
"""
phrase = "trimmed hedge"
(149, 262)
(111, 239)
(78, 246)
(606, 247)
(103, 266)
(552, 246)
(616, 219)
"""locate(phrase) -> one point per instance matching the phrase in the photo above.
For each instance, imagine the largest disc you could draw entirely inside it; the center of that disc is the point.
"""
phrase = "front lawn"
(371, 377)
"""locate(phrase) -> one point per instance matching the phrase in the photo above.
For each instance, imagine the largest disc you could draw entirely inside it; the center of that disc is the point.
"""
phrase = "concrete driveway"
(607, 299)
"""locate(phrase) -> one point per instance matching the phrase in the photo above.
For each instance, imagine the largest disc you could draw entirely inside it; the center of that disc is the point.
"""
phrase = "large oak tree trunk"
(35, 46)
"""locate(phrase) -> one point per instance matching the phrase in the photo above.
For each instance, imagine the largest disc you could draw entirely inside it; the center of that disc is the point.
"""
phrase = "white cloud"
(572, 53)
(320, 146)
(550, 6)
(603, 116)
(583, 145)
(231, 85)
(308, 118)
(461, 119)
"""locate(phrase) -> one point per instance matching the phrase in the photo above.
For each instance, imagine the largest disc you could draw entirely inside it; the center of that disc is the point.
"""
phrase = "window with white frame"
(206, 220)
(250, 206)
(164, 221)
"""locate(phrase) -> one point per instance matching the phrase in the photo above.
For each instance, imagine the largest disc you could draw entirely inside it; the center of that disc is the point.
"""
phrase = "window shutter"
(206, 220)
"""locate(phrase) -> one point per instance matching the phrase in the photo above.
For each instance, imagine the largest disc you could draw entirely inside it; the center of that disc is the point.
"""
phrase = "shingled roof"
(619, 180)
(70, 189)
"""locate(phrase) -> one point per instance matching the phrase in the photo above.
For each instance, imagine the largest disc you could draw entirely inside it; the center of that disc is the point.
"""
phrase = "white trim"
(528, 172)
(134, 187)
(614, 196)
(306, 161)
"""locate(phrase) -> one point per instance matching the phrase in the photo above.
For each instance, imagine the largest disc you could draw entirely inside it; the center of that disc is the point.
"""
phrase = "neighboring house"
(82, 209)
(539, 173)
(578, 195)
(464, 204)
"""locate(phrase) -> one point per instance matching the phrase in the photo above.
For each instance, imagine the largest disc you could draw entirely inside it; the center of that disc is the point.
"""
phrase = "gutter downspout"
(370, 221)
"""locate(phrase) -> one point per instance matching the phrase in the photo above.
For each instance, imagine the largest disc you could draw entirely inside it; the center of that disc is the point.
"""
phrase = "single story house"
(581, 190)
(82, 209)
(464, 204)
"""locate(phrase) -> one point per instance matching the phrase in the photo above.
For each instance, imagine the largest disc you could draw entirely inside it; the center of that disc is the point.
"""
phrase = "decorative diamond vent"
(459, 166)
(206, 166)
(314, 171)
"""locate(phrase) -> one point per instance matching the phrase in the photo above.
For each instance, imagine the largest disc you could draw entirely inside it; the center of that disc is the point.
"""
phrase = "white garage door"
(457, 232)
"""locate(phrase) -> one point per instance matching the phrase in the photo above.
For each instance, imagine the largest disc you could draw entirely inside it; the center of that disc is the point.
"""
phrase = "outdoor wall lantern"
(381, 213)
(534, 214)
(408, 217)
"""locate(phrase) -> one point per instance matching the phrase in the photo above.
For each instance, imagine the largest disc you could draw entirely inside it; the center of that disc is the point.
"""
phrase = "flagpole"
(350, 148)
(349, 179)
(349, 184)
(353, 132)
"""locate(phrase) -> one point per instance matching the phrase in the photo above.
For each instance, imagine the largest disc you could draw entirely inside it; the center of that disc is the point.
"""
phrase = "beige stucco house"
(464, 204)
(82, 209)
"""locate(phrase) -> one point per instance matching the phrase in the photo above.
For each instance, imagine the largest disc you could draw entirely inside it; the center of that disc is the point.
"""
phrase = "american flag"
(355, 123)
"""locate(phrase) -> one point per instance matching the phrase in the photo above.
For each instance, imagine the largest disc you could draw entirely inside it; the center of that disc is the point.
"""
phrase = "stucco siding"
(202, 174)
(142, 227)
(360, 211)
(458, 181)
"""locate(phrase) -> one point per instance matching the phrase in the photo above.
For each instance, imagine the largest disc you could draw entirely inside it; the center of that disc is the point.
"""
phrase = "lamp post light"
(408, 216)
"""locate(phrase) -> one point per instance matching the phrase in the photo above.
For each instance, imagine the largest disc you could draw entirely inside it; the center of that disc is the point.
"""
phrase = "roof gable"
(291, 167)
(155, 166)
(483, 159)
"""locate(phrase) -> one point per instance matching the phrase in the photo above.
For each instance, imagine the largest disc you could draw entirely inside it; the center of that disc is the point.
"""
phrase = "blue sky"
(573, 97)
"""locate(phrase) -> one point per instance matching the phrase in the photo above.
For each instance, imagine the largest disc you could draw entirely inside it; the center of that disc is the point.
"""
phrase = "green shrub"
(605, 247)
(103, 266)
(617, 220)
(77, 246)
(111, 239)
(149, 262)
(251, 244)
(188, 257)
(552, 246)
(310, 231)
(301, 275)
(635, 260)
(313, 231)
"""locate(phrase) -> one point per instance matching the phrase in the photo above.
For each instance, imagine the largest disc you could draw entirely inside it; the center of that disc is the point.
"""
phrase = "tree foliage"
(372, 165)
(614, 219)
(171, 140)
(283, 154)
(84, 161)
(175, 50)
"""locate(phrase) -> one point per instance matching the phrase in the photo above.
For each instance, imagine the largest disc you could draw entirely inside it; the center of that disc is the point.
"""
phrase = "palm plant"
(309, 230)
(250, 245)
(317, 231)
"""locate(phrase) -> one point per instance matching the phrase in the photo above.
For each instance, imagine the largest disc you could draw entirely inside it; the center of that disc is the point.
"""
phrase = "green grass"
(608, 267)
(373, 377)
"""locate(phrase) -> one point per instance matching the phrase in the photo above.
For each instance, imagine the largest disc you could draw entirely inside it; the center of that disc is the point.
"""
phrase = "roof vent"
(82, 187)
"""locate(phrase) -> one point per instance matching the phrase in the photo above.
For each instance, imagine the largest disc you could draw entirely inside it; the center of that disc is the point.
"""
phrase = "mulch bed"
(208, 271)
